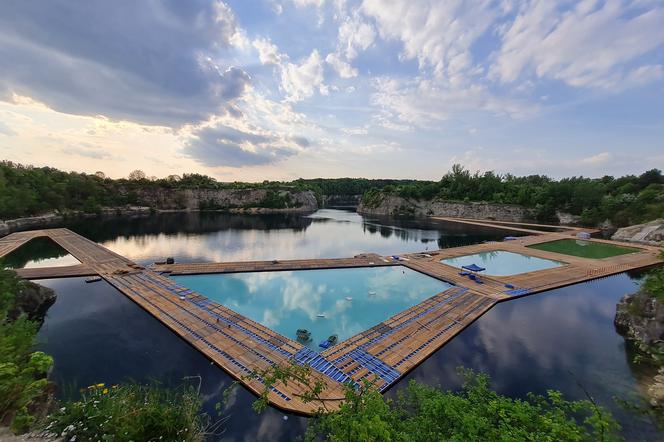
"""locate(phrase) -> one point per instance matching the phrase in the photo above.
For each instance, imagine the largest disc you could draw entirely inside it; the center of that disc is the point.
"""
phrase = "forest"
(28, 191)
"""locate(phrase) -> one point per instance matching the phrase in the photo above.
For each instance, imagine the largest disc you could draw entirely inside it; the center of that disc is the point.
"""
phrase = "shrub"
(22, 371)
(131, 412)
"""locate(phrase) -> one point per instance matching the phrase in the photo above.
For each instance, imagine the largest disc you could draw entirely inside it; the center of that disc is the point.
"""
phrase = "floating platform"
(383, 353)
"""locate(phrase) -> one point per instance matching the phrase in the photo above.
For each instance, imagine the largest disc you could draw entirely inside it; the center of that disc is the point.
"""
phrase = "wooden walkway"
(383, 354)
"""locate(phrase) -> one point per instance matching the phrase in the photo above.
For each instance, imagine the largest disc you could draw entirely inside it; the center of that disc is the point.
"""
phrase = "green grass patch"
(583, 249)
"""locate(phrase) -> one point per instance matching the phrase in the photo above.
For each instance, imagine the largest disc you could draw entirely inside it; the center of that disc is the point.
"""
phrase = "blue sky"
(281, 89)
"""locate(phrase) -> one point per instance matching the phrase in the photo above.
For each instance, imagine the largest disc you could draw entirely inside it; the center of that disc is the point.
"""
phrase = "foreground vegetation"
(26, 191)
(131, 413)
(22, 371)
(423, 413)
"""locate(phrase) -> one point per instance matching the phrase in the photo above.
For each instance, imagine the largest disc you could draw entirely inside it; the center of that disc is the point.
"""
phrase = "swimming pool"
(502, 263)
(351, 300)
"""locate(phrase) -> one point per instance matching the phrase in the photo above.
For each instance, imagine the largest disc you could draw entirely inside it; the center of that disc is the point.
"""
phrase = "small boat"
(320, 315)
(328, 342)
(372, 293)
(93, 279)
(348, 298)
(303, 335)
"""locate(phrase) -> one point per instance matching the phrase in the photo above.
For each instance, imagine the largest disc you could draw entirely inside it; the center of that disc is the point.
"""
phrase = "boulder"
(651, 233)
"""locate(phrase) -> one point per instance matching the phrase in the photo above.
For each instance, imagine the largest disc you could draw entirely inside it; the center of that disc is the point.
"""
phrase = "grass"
(589, 249)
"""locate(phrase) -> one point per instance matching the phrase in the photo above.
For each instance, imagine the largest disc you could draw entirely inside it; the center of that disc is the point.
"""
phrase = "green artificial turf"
(591, 249)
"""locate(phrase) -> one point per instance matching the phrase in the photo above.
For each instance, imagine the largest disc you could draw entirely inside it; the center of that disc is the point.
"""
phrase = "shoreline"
(53, 219)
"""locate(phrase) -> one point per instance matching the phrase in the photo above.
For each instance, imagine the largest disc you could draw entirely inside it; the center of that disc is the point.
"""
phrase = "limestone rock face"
(225, 199)
(33, 300)
(640, 319)
(649, 233)
(149, 200)
(396, 205)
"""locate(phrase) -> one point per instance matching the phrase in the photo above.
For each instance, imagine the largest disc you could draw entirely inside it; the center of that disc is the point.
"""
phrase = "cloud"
(344, 69)
(355, 35)
(268, 52)
(223, 146)
(595, 160)
(6, 130)
(422, 102)
(591, 45)
(439, 35)
(149, 62)
(301, 80)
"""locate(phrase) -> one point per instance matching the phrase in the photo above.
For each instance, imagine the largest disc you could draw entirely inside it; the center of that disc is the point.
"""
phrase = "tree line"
(28, 191)
(625, 200)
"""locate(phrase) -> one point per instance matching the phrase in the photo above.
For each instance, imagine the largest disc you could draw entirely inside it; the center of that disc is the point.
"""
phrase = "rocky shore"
(246, 201)
(640, 319)
(651, 233)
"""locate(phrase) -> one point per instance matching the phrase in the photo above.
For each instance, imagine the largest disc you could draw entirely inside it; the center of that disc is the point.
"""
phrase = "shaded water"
(38, 252)
(550, 340)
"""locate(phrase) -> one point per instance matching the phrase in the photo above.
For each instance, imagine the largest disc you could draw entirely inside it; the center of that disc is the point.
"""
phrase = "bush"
(476, 413)
(131, 412)
(22, 371)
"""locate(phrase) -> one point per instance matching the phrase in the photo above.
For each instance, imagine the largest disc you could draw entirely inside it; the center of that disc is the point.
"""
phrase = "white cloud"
(595, 160)
(300, 81)
(422, 102)
(268, 52)
(590, 45)
(344, 69)
(438, 34)
(355, 35)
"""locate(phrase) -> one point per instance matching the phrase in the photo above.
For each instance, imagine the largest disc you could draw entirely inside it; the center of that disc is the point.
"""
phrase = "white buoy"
(348, 298)
(320, 315)
(372, 293)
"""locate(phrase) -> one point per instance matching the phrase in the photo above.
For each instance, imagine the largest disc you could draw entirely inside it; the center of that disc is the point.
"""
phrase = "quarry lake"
(562, 339)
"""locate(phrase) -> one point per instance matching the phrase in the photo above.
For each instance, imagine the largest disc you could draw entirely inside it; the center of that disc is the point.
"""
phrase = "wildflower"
(105, 391)
(101, 385)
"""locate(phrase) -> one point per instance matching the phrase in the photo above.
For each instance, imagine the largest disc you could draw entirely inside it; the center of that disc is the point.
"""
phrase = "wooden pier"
(383, 353)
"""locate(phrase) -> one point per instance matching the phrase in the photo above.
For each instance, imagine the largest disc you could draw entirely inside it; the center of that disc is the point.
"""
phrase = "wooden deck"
(384, 353)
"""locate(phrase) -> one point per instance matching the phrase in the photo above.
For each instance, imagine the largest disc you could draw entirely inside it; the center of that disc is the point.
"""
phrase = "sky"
(249, 90)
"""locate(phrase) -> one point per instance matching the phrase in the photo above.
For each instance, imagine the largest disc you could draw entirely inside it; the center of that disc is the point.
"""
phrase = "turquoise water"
(288, 300)
(502, 263)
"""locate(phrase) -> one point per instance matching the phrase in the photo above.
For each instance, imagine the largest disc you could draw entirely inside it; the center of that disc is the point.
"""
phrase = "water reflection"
(96, 334)
(329, 233)
(351, 300)
(544, 341)
(38, 252)
(550, 340)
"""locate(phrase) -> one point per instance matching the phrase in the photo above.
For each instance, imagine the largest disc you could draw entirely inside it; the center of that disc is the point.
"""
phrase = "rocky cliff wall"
(226, 199)
(148, 200)
(395, 205)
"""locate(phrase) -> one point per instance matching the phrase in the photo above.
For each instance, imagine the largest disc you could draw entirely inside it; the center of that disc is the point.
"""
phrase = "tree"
(137, 175)
(100, 174)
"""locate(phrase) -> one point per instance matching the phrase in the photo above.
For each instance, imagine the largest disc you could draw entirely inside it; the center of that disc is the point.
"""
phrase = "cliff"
(649, 233)
(159, 199)
(396, 205)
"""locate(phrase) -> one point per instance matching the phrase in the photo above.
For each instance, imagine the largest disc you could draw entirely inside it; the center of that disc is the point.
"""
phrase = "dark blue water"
(552, 340)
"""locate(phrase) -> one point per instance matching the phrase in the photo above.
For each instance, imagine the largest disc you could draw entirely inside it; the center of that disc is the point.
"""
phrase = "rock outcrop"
(274, 200)
(640, 319)
(33, 300)
(396, 205)
(649, 233)
(168, 200)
